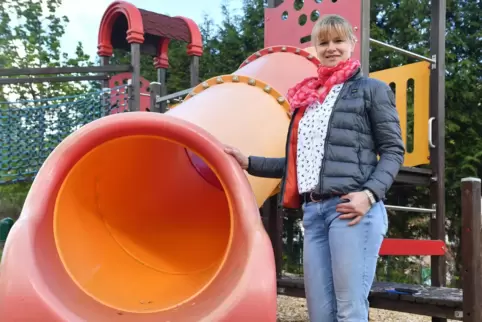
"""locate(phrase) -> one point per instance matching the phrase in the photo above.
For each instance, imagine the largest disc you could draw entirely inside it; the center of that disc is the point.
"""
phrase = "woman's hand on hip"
(240, 158)
(357, 206)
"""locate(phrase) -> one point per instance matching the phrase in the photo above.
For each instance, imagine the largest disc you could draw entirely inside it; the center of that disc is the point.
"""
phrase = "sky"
(85, 16)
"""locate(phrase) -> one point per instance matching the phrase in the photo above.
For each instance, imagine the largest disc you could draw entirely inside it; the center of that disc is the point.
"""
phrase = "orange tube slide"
(142, 217)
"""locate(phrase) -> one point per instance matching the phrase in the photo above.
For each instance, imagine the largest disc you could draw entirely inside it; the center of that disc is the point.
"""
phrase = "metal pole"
(365, 37)
(410, 209)
(182, 93)
(402, 51)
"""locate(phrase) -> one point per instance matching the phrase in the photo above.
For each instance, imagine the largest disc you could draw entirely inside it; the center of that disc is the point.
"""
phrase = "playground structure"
(47, 237)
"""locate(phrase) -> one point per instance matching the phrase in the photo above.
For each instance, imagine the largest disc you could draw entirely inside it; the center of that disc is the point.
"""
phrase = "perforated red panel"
(121, 97)
(282, 24)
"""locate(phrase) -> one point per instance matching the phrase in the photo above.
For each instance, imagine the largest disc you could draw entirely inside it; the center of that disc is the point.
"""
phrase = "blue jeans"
(340, 261)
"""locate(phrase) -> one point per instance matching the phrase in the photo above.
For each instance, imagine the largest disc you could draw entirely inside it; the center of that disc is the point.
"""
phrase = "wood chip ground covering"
(292, 309)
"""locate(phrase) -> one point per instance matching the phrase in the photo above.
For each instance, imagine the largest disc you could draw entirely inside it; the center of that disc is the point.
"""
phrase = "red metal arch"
(135, 32)
(162, 59)
(195, 48)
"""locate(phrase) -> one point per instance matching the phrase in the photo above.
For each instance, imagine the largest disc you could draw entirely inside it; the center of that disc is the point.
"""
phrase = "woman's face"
(334, 49)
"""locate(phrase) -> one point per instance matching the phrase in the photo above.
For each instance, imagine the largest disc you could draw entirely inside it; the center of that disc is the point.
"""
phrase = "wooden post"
(106, 101)
(105, 62)
(161, 78)
(130, 96)
(136, 77)
(275, 230)
(264, 217)
(437, 150)
(194, 71)
(155, 92)
(471, 248)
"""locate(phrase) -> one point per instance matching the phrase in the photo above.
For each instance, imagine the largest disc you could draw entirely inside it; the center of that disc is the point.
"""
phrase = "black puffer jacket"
(364, 124)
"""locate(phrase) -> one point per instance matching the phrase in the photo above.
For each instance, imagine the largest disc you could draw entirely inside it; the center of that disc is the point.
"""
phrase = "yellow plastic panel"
(420, 73)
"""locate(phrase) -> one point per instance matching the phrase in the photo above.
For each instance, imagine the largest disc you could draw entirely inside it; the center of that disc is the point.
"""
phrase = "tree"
(226, 45)
(238, 36)
(405, 24)
(463, 107)
(30, 34)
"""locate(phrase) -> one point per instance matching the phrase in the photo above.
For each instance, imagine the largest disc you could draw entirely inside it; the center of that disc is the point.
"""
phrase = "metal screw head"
(267, 89)
(252, 81)
(235, 78)
(283, 48)
(297, 51)
(281, 99)
(205, 85)
(310, 56)
(219, 80)
(270, 50)
(258, 54)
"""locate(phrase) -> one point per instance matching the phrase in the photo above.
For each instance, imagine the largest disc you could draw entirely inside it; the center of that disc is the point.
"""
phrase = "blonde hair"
(330, 25)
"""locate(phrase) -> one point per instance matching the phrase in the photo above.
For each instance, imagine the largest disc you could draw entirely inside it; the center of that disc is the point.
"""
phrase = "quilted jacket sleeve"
(385, 127)
(266, 167)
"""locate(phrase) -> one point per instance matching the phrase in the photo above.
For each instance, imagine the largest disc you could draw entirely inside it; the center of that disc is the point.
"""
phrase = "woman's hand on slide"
(357, 206)
(240, 158)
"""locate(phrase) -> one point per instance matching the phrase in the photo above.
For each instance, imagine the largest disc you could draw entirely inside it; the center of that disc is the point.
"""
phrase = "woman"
(341, 120)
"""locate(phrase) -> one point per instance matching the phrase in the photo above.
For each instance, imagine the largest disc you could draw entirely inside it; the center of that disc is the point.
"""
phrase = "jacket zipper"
(329, 129)
(327, 136)
(282, 189)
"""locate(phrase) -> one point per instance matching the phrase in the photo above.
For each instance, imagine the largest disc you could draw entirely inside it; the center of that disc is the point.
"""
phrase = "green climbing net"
(30, 130)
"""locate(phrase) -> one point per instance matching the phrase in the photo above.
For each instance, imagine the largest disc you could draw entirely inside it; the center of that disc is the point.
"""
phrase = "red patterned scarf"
(305, 93)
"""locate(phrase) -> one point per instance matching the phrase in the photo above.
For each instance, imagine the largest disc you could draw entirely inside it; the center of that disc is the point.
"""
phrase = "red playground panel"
(118, 97)
(284, 25)
(412, 247)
